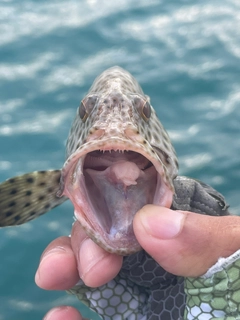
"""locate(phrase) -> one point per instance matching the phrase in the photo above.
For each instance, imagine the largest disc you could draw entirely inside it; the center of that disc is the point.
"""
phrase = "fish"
(119, 158)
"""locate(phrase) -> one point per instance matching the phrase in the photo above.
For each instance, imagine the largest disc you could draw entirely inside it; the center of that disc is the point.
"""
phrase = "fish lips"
(108, 182)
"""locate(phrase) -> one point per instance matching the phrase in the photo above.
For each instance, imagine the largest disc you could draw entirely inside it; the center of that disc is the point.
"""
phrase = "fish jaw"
(108, 181)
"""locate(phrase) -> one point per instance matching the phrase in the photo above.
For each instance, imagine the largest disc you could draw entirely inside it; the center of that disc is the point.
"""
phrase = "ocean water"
(186, 57)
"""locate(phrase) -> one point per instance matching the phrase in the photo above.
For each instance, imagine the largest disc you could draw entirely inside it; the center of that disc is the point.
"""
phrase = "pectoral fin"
(26, 197)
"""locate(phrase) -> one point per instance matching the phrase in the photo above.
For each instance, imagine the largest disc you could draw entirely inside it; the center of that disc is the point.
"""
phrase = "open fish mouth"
(107, 184)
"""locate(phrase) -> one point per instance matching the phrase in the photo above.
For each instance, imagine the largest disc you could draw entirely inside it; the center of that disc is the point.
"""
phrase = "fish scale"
(118, 159)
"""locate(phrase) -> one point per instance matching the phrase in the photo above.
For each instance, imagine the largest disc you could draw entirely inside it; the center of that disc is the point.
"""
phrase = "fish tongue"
(118, 186)
(124, 173)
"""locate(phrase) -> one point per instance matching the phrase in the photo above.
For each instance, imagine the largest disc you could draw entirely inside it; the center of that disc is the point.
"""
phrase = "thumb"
(186, 243)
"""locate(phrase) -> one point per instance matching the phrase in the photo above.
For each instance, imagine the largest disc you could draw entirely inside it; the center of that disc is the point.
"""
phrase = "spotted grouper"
(118, 159)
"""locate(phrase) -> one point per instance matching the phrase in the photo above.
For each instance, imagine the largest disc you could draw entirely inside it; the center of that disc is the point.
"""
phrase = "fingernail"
(161, 222)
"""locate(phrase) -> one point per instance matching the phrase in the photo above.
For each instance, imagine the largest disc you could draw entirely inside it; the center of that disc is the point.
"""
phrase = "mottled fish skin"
(118, 158)
(116, 116)
(114, 104)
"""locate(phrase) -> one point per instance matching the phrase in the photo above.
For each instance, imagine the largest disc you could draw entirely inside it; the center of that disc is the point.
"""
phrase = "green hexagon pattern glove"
(216, 295)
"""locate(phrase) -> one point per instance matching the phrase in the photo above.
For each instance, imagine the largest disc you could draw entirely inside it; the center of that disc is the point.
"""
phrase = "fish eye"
(86, 107)
(82, 112)
(143, 107)
(146, 111)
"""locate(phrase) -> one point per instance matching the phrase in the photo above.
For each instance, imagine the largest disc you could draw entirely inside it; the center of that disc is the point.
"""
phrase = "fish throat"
(118, 184)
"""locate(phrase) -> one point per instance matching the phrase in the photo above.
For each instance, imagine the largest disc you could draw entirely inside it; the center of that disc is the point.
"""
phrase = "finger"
(186, 243)
(95, 265)
(63, 313)
(58, 268)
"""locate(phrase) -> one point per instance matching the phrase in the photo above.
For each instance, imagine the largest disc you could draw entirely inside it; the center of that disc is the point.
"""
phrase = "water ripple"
(29, 70)
(43, 122)
(35, 19)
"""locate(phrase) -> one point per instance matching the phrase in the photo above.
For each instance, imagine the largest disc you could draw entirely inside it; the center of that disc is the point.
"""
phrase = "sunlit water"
(186, 57)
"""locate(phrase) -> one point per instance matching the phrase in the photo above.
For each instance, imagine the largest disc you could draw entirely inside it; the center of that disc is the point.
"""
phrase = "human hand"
(183, 243)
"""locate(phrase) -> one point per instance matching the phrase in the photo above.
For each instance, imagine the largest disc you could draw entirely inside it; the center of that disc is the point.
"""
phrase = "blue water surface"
(185, 55)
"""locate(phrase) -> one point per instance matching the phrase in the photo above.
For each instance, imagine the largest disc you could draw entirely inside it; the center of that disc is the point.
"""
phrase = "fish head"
(118, 159)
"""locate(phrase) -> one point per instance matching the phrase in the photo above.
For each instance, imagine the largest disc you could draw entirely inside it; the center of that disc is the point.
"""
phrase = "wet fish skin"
(116, 99)
(116, 119)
